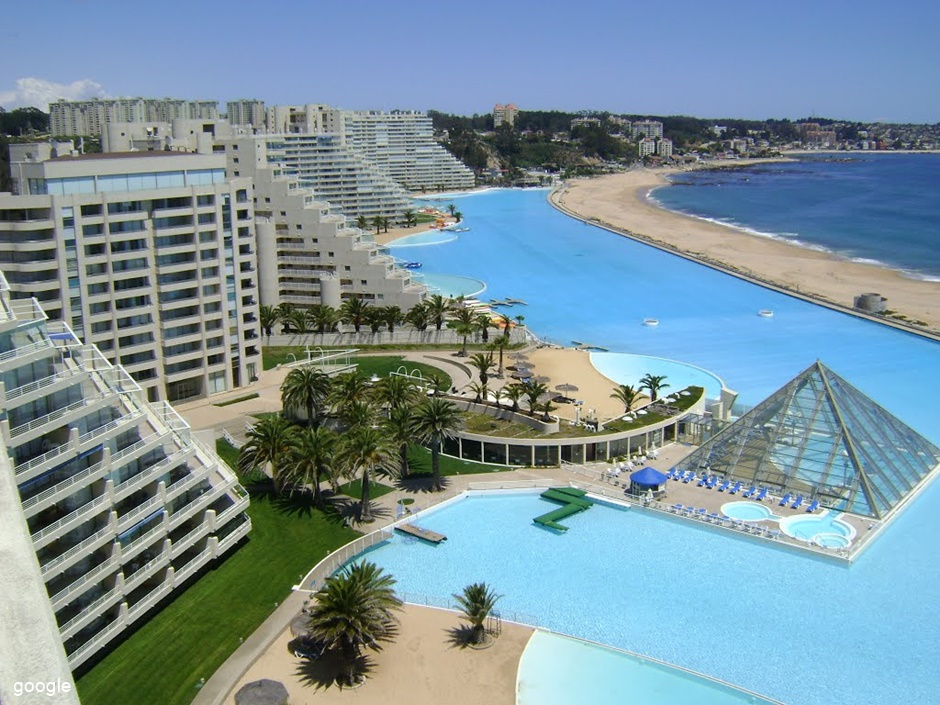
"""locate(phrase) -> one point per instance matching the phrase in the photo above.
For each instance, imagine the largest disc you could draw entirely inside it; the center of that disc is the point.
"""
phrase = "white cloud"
(38, 92)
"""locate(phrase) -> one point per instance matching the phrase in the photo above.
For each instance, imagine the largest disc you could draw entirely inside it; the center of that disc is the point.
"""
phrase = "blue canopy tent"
(647, 479)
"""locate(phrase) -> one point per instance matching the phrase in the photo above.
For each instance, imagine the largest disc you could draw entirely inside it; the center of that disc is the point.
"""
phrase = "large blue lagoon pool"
(769, 619)
(584, 283)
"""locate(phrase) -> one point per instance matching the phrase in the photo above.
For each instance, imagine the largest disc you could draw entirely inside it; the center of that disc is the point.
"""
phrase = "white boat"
(765, 313)
(650, 321)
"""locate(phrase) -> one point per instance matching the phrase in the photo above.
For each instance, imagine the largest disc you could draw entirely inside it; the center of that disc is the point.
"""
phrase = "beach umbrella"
(566, 387)
(522, 374)
(298, 626)
(263, 692)
(519, 356)
(542, 379)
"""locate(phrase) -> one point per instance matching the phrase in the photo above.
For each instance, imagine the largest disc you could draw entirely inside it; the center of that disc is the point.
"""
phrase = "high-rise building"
(504, 114)
(88, 117)
(246, 112)
(148, 255)
(664, 147)
(115, 499)
(652, 129)
(401, 144)
(646, 147)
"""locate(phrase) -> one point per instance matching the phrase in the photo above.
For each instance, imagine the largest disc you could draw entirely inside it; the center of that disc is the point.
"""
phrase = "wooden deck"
(418, 532)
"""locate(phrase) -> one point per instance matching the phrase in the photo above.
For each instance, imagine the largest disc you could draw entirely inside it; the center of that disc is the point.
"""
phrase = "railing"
(145, 604)
(55, 415)
(141, 542)
(142, 478)
(509, 484)
(88, 474)
(179, 546)
(88, 610)
(84, 580)
(77, 657)
(449, 603)
(145, 571)
(234, 537)
(138, 511)
(325, 568)
(43, 383)
(68, 519)
(192, 566)
(239, 506)
(23, 350)
(79, 549)
(231, 440)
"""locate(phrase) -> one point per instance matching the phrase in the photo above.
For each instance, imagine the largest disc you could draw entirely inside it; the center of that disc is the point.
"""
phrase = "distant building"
(88, 117)
(652, 129)
(585, 122)
(719, 130)
(646, 147)
(505, 115)
(246, 112)
(738, 145)
(664, 147)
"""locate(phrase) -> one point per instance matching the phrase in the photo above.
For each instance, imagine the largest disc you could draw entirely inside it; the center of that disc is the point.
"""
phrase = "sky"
(869, 60)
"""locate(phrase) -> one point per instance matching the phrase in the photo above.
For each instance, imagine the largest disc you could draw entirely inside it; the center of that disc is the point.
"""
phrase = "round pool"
(629, 368)
(452, 285)
(747, 511)
(823, 529)
(431, 237)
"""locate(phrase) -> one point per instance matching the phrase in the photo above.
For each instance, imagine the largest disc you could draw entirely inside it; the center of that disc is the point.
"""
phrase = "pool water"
(452, 285)
(748, 511)
(808, 528)
(685, 593)
(558, 670)
(629, 369)
(431, 237)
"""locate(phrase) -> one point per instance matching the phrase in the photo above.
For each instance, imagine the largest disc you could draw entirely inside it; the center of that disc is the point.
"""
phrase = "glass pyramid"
(820, 437)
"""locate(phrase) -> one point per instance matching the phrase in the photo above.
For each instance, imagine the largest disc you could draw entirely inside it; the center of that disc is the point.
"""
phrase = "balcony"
(63, 597)
(72, 484)
(89, 613)
(234, 537)
(26, 354)
(140, 608)
(70, 521)
(47, 386)
(60, 417)
(80, 550)
(90, 647)
(145, 571)
(141, 479)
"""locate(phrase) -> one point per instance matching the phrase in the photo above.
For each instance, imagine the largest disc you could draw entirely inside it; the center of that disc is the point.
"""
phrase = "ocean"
(882, 209)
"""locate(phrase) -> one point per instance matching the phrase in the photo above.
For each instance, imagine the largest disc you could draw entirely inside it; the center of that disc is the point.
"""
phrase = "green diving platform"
(572, 500)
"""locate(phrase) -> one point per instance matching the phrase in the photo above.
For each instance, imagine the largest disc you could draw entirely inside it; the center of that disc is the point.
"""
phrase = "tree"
(364, 448)
(297, 321)
(436, 307)
(355, 310)
(268, 317)
(396, 391)
(400, 428)
(532, 391)
(451, 208)
(514, 392)
(499, 344)
(362, 223)
(324, 318)
(457, 215)
(505, 322)
(419, 316)
(269, 442)
(626, 395)
(410, 218)
(377, 224)
(483, 323)
(348, 388)
(654, 383)
(386, 222)
(392, 316)
(435, 420)
(306, 388)
(353, 609)
(484, 365)
(464, 330)
(309, 459)
(375, 319)
(477, 602)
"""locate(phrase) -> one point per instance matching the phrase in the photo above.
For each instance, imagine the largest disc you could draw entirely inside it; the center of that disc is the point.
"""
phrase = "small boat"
(650, 321)
(765, 313)
(460, 230)
(412, 265)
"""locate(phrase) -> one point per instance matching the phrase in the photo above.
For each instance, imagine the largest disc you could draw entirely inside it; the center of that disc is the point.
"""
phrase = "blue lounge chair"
(798, 503)
(677, 474)
(813, 506)
(702, 480)
(736, 488)
(700, 513)
(690, 475)
(713, 516)
(752, 490)
(712, 481)
(724, 485)
(785, 500)
(676, 508)
(671, 473)
(760, 495)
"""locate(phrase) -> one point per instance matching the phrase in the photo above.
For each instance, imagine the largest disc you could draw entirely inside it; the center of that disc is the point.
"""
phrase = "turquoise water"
(557, 670)
(453, 285)
(733, 607)
(584, 283)
(431, 237)
(806, 528)
(747, 511)
(629, 369)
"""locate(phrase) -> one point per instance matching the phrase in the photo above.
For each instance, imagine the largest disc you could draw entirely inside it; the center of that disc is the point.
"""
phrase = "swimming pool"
(452, 285)
(630, 368)
(431, 237)
(720, 600)
(821, 529)
(748, 511)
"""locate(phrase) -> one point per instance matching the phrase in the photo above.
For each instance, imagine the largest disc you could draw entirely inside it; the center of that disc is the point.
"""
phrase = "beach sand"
(619, 200)
(422, 667)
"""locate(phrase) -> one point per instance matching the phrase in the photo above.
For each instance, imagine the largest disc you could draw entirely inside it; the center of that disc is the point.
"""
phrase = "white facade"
(664, 147)
(121, 504)
(150, 256)
(652, 129)
(88, 117)
(246, 112)
(504, 114)
(646, 147)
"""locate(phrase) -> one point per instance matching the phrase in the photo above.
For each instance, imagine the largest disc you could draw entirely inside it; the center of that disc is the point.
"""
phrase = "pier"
(418, 532)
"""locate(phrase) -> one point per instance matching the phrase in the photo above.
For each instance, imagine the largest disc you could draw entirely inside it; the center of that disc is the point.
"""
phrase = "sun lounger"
(798, 503)
(702, 480)
(712, 481)
(785, 500)
(677, 475)
(737, 487)
(700, 513)
(713, 516)
(676, 508)
(813, 506)
(689, 476)
(752, 490)
(724, 485)
(671, 474)
(760, 495)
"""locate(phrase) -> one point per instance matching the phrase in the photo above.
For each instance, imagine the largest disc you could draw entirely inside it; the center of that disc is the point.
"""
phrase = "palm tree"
(309, 459)
(268, 443)
(451, 208)
(499, 344)
(386, 222)
(283, 310)
(477, 602)
(354, 609)
(377, 224)
(484, 323)
(626, 395)
(435, 420)
(354, 310)
(654, 383)
(375, 319)
(479, 391)
(437, 306)
(505, 322)
(464, 330)
(514, 392)
(545, 408)
(484, 364)
(400, 428)
(410, 218)
(268, 317)
(297, 320)
(356, 413)
(458, 216)
(324, 318)
(419, 316)
(362, 223)
(349, 387)
(306, 388)
(532, 391)
(396, 391)
(364, 448)
(392, 316)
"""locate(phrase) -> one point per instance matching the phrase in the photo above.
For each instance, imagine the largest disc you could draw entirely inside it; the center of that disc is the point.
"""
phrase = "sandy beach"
(422, 667)
(619, 200)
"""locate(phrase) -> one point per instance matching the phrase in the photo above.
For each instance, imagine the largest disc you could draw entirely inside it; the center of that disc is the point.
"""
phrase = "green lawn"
(162, 662)
(354, 489)
(419, 462)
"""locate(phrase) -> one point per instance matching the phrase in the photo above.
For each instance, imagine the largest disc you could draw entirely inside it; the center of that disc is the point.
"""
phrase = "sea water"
(587, 284)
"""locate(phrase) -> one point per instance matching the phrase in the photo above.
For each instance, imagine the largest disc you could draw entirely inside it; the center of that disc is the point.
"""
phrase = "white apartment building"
(88, 117)
(401, 144)
(646, 147)
(246, 112)
(148, 255)
(664, 148)
(652, 129)
(308, 254)
(504, 114)
(312, 118)
(585, 122)
(119, 503)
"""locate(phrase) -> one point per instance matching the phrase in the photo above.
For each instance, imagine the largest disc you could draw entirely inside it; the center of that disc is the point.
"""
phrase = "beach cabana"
(647, 478)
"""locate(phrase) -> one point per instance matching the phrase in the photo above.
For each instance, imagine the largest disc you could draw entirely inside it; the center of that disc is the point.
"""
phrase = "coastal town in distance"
(304, 404)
